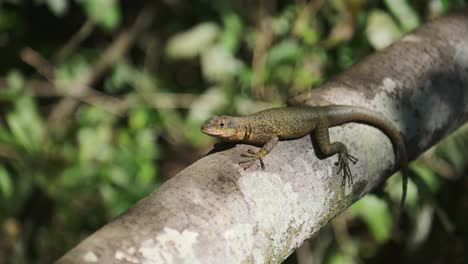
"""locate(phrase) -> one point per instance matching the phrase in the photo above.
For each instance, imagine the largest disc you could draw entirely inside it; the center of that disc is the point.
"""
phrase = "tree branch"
(214, 211)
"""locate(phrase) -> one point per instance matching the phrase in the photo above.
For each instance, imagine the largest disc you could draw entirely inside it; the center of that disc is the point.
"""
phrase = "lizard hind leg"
(329, 149)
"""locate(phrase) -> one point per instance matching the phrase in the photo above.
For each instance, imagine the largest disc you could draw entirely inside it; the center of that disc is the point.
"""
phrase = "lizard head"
(222, 127)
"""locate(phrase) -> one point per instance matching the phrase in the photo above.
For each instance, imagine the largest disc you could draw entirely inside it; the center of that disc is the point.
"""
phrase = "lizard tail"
(405, 173)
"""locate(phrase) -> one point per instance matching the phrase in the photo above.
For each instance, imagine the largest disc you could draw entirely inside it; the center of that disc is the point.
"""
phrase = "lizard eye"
(221, 125)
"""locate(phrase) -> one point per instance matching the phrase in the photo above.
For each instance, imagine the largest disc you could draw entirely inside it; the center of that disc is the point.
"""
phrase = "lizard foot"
(344, 167)
(254, 156)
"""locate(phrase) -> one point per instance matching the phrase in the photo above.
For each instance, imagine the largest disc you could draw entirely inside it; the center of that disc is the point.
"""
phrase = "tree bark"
(216, 212)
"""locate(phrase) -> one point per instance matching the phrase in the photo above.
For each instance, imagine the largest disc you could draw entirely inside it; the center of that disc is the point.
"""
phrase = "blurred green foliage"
(101, 101)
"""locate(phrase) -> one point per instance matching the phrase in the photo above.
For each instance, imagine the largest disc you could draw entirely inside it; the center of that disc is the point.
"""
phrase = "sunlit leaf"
(14, 86)
(381, 30)
(15, 81)
(219, 65)
(191, 43)
(105, 12)
(405, 14)
(58, 7)
(95, 144)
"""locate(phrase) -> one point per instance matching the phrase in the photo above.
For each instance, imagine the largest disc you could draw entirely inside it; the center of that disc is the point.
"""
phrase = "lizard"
(267, 127)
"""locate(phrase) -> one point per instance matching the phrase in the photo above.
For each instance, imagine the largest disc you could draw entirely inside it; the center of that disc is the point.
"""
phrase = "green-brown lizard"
(266, 128)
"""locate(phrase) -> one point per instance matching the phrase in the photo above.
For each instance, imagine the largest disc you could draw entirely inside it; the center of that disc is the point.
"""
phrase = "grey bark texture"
(216, 212)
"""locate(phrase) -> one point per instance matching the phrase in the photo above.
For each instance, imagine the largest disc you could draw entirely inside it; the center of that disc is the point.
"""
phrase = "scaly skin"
(266, 128)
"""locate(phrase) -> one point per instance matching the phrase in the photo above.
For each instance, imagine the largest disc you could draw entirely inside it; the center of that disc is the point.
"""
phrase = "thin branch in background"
(91, 96)
(157, 100)
(8, 152)
(152, 50)
(85, 30)
(163, 100)
(113, 53)
(41, 65)
(38, 88)
(438, 165)
(122, 44)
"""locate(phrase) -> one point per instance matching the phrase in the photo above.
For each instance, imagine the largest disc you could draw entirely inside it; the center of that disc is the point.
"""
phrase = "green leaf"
(6, 185)
(394, 188)
(219, 65)
(283, 23)
(284, 73)
(376, 215)
(58, 7)
(454, 149)
(190, 43)
(287, 50)
(139, 118)
(95, 144)
(338, 258)
(120, 77)
(66, 73)
(106, 13)
(26, 124)
(428, 175)
(381, 30)
(405, 14)
(8, 19)
(231, 36)
(15, 81)
(94, 116)
(15, 86)
(146, 173)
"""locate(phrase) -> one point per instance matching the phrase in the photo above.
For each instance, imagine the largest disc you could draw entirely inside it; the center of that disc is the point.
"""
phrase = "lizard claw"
(344, 168)
(352, 158)
(251, 159)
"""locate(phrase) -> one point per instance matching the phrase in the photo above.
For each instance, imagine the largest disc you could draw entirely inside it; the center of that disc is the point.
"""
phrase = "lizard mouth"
(211, 132)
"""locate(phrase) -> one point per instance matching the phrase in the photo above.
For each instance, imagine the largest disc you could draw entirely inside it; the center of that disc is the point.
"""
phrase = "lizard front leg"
(330, 149)
(259, 155)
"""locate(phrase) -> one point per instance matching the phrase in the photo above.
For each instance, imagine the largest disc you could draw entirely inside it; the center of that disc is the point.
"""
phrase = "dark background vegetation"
(102, 100)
